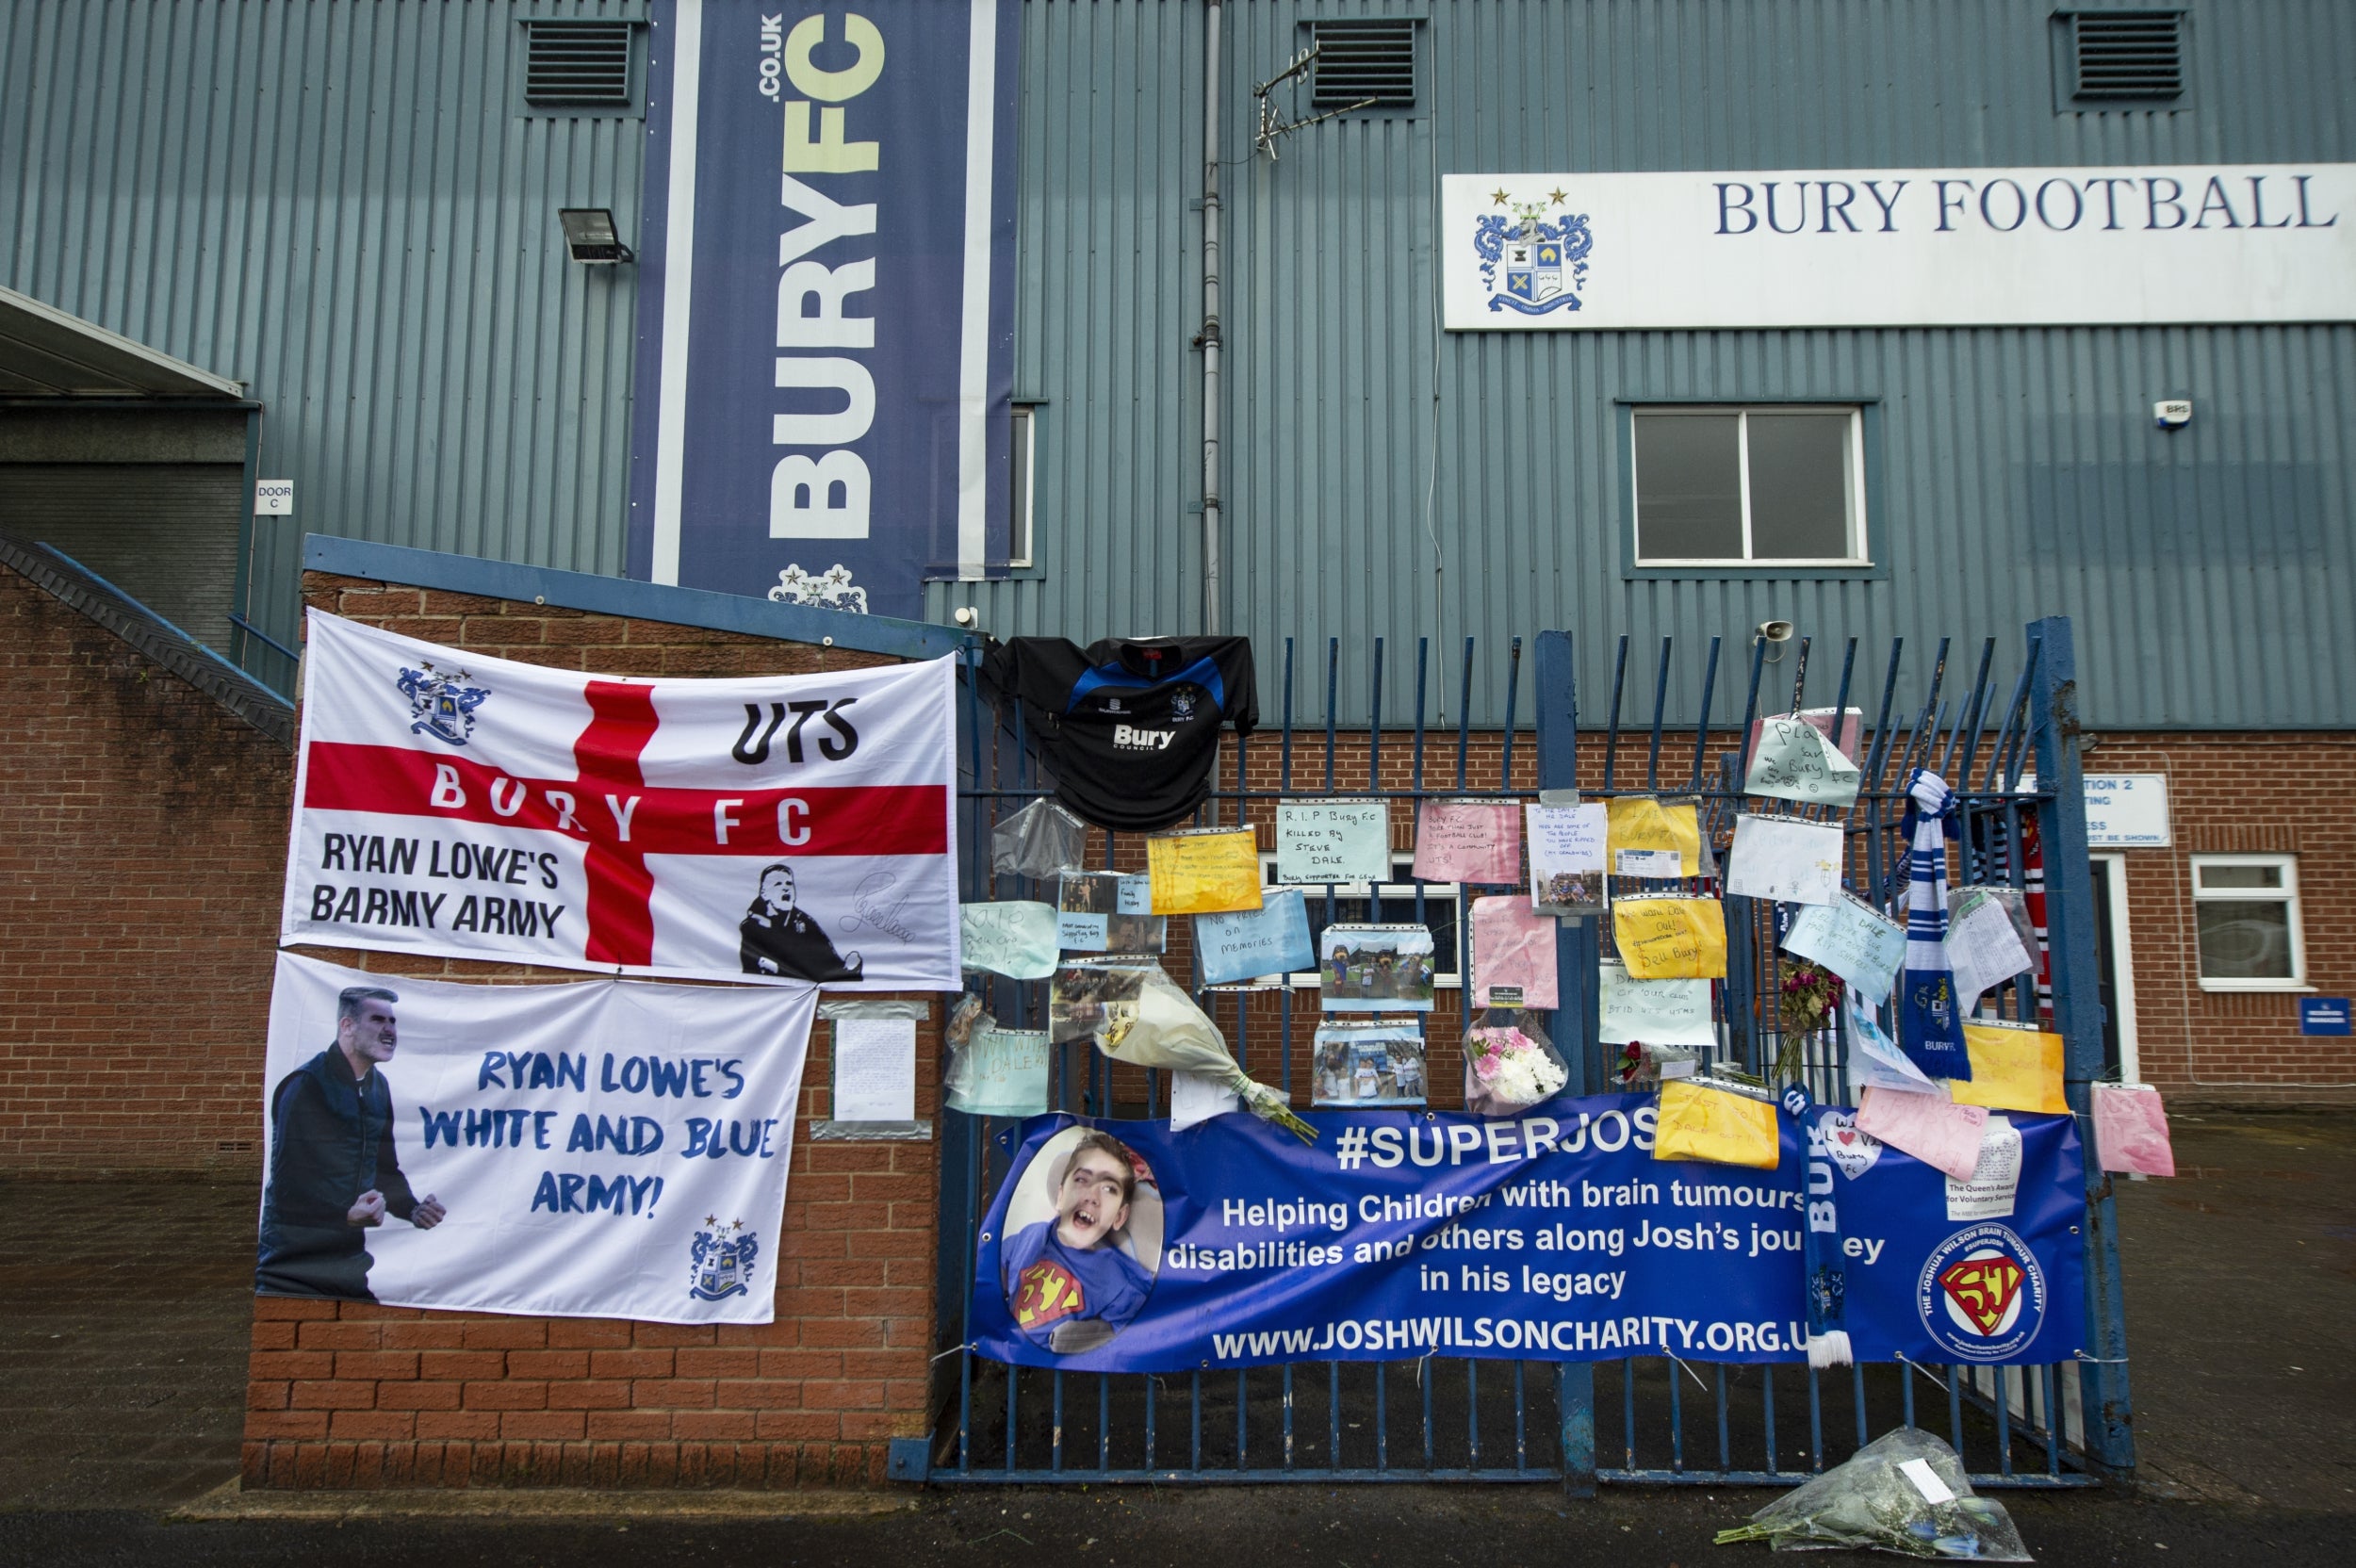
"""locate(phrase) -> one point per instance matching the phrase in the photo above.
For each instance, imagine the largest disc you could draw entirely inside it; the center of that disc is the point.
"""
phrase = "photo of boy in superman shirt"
(1069, 1283)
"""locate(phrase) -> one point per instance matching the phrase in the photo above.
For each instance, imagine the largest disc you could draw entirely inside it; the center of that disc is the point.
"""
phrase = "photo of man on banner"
(1083, 1241)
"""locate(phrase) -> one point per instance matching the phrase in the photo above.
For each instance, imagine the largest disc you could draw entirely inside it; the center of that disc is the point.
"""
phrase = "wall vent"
(2134, 55)
(577, 65)
(1368, 63)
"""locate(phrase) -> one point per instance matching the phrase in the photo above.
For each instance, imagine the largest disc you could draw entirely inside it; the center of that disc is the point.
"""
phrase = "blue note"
(1271, 940)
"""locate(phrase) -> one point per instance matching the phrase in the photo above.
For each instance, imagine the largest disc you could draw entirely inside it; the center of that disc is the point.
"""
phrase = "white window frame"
(1024, 444)
(2112, 868)
(1403, 892)
(2286, 894)
(1859, 555)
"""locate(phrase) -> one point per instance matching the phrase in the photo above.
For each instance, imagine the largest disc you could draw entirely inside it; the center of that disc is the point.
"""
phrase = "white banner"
(1899, 247)
(602, 1148)
(764, 827)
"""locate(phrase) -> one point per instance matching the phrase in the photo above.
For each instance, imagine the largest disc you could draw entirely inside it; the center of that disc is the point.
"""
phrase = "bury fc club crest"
(720, 1260)
(1528, 262)
(442, 704)
(1181, 703)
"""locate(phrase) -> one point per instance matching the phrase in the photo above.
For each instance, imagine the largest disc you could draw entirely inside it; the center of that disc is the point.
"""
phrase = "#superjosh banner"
(769, 827)
(826, 310)
(1124, 1247)
(602, 1148)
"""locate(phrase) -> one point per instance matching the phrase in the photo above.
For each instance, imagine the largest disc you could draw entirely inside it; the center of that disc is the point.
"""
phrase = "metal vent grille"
(1358, 61)
(2129, 55)
(577, 65)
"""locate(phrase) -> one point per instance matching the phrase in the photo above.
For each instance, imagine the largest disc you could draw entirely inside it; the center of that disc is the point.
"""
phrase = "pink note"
(1932, 1128)
(2130, 1130)
(1469, 840)
(1512, 945)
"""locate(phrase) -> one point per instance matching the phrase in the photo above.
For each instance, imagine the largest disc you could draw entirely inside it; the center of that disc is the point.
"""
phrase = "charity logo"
(720, 1260)
(1528, 262)
(1982, 1294)
(1047, 1291)
(442, 704)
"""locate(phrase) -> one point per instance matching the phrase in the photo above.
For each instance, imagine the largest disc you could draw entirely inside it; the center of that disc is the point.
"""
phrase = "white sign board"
(273, 498)
(1899, 247)
(2127, 810)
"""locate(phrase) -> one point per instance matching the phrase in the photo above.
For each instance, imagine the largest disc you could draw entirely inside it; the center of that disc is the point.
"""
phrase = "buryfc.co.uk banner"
(596, 1149)
(1123, 1247)
(772, 827)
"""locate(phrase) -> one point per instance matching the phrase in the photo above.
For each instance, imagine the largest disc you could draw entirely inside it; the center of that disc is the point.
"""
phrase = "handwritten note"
(875, 1069)
(1671, 938)
(1513, 948)
(1639, 824)
(1271, 940)
(1932, 1128)
(1204, 870)
(1469, 840)
(1015, 939)
(1566, 856)
(1847, 743)
(1790, 759)
(1854, 943)
(1982, 948)
(1332, 840)
(1657, 1012)
(2013, 1068)
(1786, 858)
(2130, 1130)
(1004, 1073)
(1701, 1121)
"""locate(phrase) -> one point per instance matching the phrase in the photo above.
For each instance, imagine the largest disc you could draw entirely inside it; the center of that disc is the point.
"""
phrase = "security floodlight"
(591, 237)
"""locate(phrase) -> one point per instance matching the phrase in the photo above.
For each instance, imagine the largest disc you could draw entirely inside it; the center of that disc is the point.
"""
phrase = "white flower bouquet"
(1510, 1065)
(1163, 1028)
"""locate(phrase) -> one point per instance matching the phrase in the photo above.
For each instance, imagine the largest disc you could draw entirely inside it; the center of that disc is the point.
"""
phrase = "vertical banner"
(827, 299)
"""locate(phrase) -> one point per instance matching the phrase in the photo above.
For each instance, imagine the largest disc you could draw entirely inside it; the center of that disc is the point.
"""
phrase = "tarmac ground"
(124, 1306)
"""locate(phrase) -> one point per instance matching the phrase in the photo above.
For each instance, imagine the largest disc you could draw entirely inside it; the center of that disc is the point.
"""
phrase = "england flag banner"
(768, 828)
(594, 1149)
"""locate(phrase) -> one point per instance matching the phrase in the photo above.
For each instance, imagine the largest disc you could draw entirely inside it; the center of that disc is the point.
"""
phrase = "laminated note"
(1875, 1062)
(1790, 759)
(1103, 911)
(1015, 939)
(1785, 859)
(1671, 938)
(1848, 742)
(1204, 870)
(1700, 1120)
(1002, 1073)
(1271, 940)
(1642, 833)
(2013, 1068)
(2130, 1130)
(1332, 840)
(1566, 856)
(1513, 955)
(1992, 1190)
(1984, 947)
(1932, 1128)
(1850, 940)
(1657, 1012)
(1469, 840)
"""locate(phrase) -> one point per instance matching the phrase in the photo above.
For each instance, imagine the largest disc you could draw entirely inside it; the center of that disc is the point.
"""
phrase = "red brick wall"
(139, 875)
(343, 1394)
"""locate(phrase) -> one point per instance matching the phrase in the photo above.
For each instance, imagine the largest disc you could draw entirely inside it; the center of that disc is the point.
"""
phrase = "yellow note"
(1205, 871)
(2012, 1069)
(1671, 938)
(1641, 823)
(1700, 1122)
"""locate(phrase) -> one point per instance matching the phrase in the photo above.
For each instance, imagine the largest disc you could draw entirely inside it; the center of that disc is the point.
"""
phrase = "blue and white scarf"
(1929, 1031)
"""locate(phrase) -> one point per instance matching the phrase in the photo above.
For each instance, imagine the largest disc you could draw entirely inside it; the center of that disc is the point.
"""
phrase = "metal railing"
(1441, 1418)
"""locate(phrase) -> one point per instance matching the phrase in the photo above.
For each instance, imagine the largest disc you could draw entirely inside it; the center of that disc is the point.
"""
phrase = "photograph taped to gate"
(1082, 1241)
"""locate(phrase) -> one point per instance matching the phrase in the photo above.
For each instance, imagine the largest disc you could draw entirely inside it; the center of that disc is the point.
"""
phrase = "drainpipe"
(1210, 339)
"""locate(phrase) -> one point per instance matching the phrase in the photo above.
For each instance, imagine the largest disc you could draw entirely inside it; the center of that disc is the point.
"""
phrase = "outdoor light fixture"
(591, 237)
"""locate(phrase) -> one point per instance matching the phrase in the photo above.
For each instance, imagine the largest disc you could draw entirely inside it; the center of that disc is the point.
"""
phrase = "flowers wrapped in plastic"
(1905, 1492)
(1157, 1024)
(1510, 1065)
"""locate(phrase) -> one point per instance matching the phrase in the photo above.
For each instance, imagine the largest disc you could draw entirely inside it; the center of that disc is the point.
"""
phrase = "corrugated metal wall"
(2020, 472)
(342, 204)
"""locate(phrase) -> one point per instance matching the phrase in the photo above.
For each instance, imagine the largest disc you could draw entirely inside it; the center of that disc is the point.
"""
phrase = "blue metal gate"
(1641, 1419)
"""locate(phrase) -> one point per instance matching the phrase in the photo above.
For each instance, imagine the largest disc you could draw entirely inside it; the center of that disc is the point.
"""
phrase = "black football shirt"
(1129, 726)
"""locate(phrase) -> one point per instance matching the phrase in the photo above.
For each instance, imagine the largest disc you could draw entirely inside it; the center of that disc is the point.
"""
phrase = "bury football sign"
(825, 315)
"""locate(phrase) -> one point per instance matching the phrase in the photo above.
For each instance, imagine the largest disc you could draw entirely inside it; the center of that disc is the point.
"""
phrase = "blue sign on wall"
(827, 307)
(2323, 1015)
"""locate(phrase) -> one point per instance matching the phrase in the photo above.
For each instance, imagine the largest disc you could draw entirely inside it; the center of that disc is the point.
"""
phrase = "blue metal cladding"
(345, 205)
(1381, 474)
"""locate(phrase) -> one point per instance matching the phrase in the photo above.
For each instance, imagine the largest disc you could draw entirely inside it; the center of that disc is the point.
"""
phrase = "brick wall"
(346, 1394)
(139, 876)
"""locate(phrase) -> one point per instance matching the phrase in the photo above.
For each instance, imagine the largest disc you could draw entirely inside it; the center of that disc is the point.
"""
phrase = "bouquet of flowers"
(1510, 1065)
(1163, 1028)
(1810, 995)
(1905, 1492)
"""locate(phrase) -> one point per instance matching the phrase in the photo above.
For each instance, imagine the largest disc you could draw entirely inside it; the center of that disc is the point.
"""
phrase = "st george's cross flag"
(764, 827)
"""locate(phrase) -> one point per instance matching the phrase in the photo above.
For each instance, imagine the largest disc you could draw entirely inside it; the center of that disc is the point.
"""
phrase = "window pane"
(1799, 486)
(1689, 488)
(2245, 940)
(2241, 877)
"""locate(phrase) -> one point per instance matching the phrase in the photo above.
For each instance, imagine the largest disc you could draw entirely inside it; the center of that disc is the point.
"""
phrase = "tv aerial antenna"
(1272, 122)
